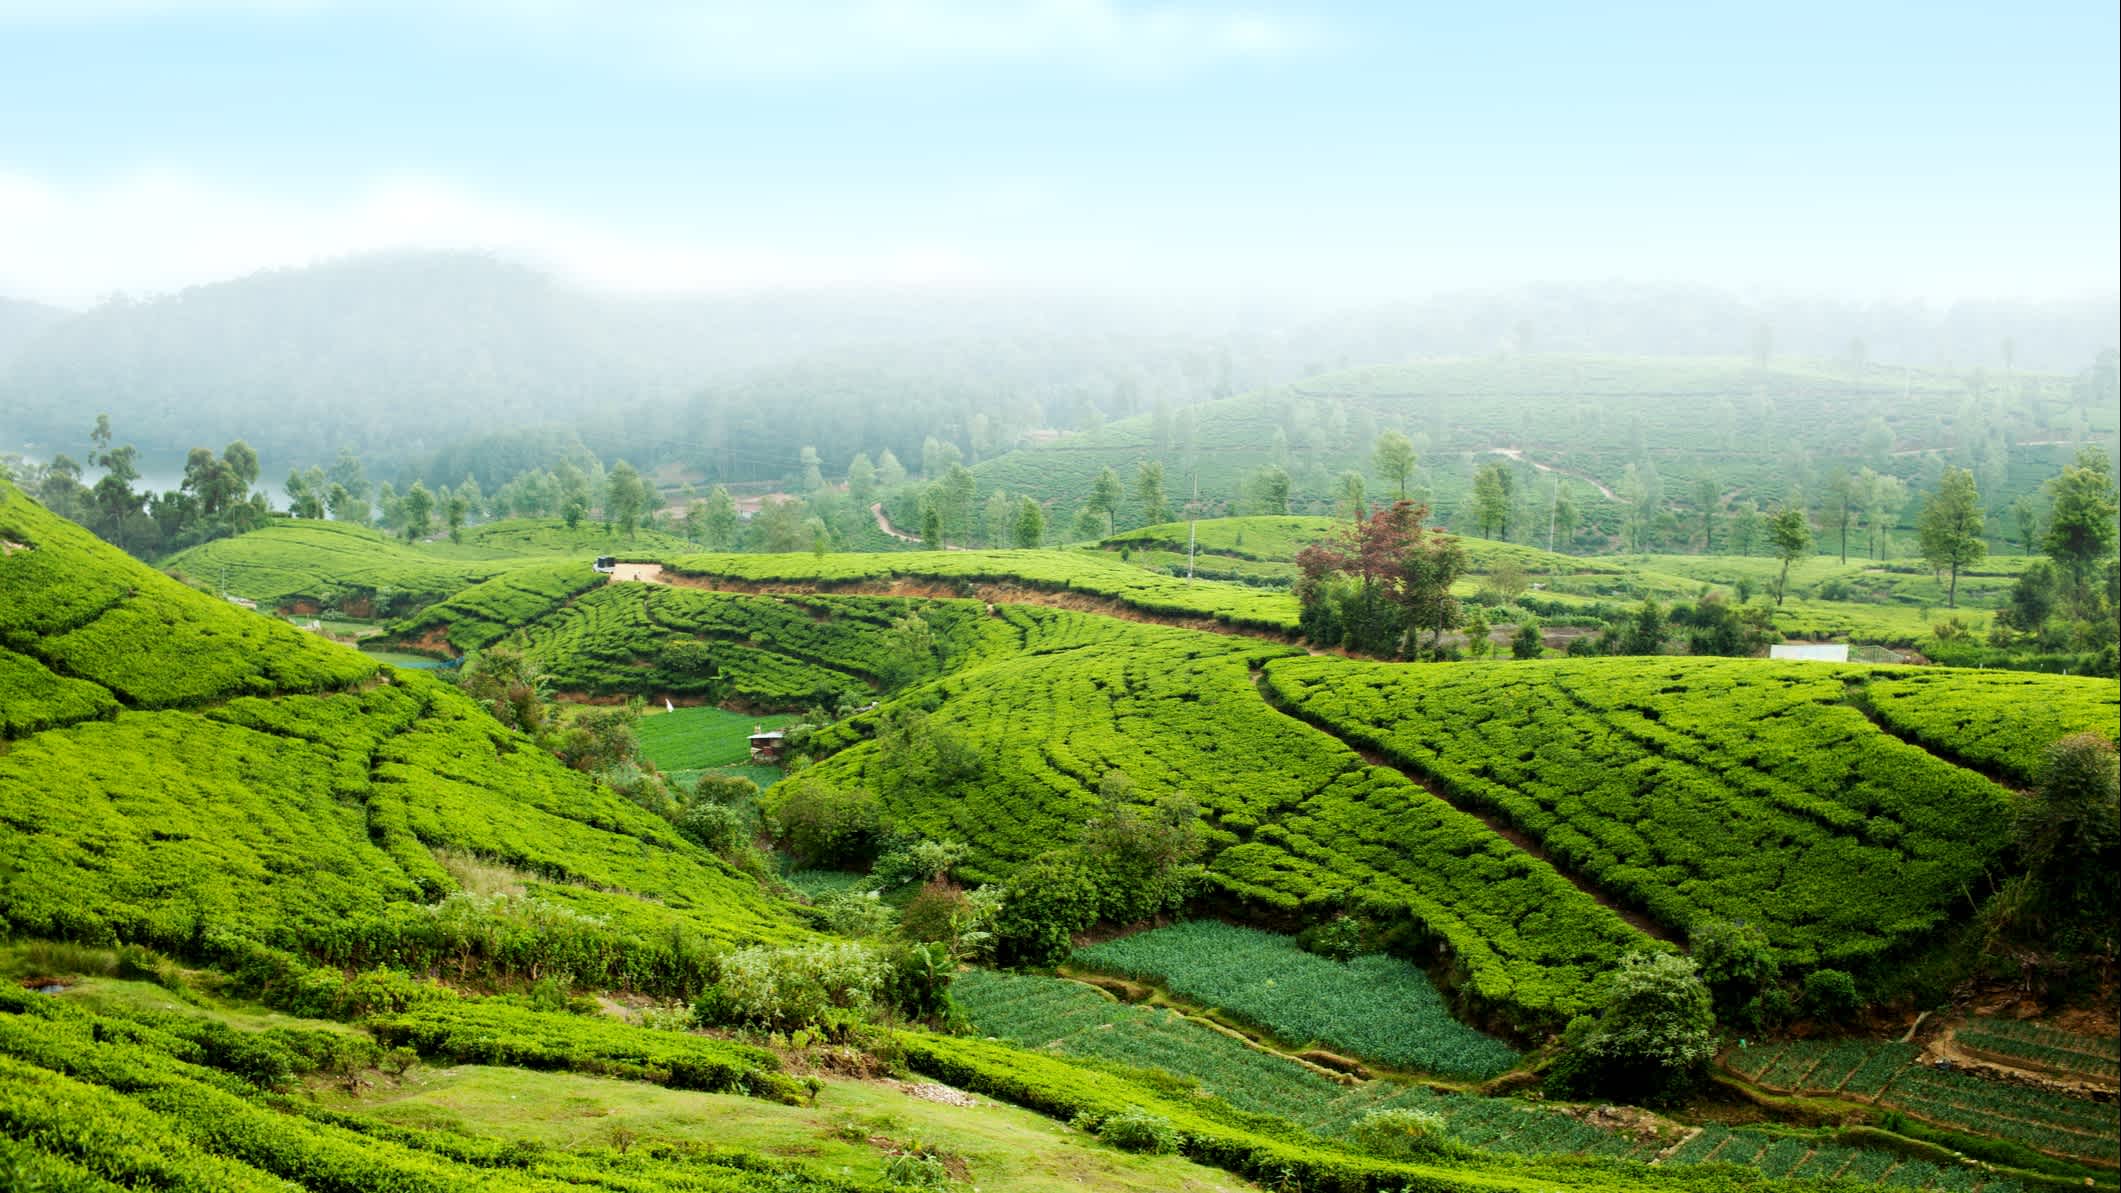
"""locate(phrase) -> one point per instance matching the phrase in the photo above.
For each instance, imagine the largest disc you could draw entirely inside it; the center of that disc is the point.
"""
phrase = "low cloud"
(158, 231)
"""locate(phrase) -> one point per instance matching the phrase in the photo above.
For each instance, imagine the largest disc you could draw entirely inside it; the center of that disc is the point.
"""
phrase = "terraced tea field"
(1892, 1076)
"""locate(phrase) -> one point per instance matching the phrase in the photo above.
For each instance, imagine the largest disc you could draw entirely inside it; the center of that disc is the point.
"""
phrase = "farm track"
(1495, 821)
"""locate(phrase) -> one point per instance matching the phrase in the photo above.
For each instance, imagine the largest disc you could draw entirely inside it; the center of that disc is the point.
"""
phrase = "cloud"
(161, 230)
(783, 39)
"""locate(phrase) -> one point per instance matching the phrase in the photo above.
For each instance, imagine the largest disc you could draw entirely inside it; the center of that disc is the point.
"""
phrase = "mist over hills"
(396, 356)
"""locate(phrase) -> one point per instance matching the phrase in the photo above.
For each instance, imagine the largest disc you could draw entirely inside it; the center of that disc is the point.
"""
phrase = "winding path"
(1517, 454)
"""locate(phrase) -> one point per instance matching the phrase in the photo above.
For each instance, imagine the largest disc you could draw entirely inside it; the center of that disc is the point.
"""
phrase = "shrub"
(1651, 1039)
(935, 913)
(717, 827)
(1735, 960)
(1527, 644)
(856, 913)
(916, 860)
(823, 825)
(1043, 906)
(731, 790)
(827, 985)
(1134, 1131)
(1399, 1133)
(1830, 994)
(916, 1167)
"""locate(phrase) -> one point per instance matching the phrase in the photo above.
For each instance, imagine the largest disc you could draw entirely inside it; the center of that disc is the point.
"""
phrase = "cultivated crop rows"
(1376, 1007)
(488, 611)
(1693, 788)
(1056, 1016)
(2031, 1045)
(1892, 1076)
(96, 615)
(1091, 573)
(2001, 720)
(1295, 819)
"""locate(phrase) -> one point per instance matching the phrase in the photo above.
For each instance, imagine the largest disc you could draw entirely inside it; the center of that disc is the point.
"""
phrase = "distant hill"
(1762, 435)
(21, 322)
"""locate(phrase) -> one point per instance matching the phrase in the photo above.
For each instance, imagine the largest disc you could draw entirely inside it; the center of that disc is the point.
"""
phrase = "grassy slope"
(306, 821)
(1893, 602)
(335, 564)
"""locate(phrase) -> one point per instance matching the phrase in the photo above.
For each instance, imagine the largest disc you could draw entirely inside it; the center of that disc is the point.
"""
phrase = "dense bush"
(1652, 1038)
(1830, 994)
(828, 985)
(1400, 1133)
(824, 825)
(1135, 1131)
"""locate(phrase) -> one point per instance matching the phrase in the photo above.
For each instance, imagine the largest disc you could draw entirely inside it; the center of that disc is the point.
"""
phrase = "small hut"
(766, 747)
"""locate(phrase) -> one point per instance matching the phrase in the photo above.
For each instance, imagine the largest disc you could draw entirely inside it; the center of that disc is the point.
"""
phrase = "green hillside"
(308, 565)
(232, 783)
(1761, 434)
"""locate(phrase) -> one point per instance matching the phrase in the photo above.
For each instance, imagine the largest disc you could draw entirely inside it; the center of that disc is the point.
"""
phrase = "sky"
(1244, 147)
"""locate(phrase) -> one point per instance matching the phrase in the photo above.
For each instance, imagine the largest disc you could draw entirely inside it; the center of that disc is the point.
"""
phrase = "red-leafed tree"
(1381, 577)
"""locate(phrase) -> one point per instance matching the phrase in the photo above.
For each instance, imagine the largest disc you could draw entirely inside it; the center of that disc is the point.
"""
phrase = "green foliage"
(1046, 903)
(1137, 1131)
(1735, 960)
(2001, 721)
(1652, 1038)
(2069, 838)
(1693, 789)
(1830, 994)
(831, 986)
(1376, 1007)
(823, 825)
(1399, 1133)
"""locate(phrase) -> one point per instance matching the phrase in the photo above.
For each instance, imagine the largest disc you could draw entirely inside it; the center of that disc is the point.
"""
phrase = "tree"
(953, 501)
(341, 504)
(1149, 490)
(1030, 523)
(414, 510)
(1653, 1036)
(780, 526)
(2032, 599)
(1428, 571)
(1527, 644)
(2081, 518)
(1351, 504)
(996, 519)
(626, 496)
(1838, 507)
(573, 508)
(1744, 533)
(1393, 457)
(861, 479)
(1735, 960)
(1884, 496)
(1950, 526)
(1105, 495)
(2026, 517)
(2069, 839)
(1640, 495)
(890, 474)
(1561, 520)
(454, 508)
(1791, 536)
(720, 520)
(1491, 500)
(1707, 496)
(813, 469)
(1270, 490)
(931, 526)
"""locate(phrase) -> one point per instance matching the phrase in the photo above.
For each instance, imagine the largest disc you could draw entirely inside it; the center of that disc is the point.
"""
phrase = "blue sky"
(1327, 151)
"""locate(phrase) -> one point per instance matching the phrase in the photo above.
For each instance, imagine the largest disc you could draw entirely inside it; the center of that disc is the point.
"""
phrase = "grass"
(701, 738)
(847, 1130)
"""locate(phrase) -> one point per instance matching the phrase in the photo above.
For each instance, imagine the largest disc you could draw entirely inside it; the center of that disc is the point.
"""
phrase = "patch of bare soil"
(9, 547)
(650, 573)
(1945, 1046)
(930, 1091)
